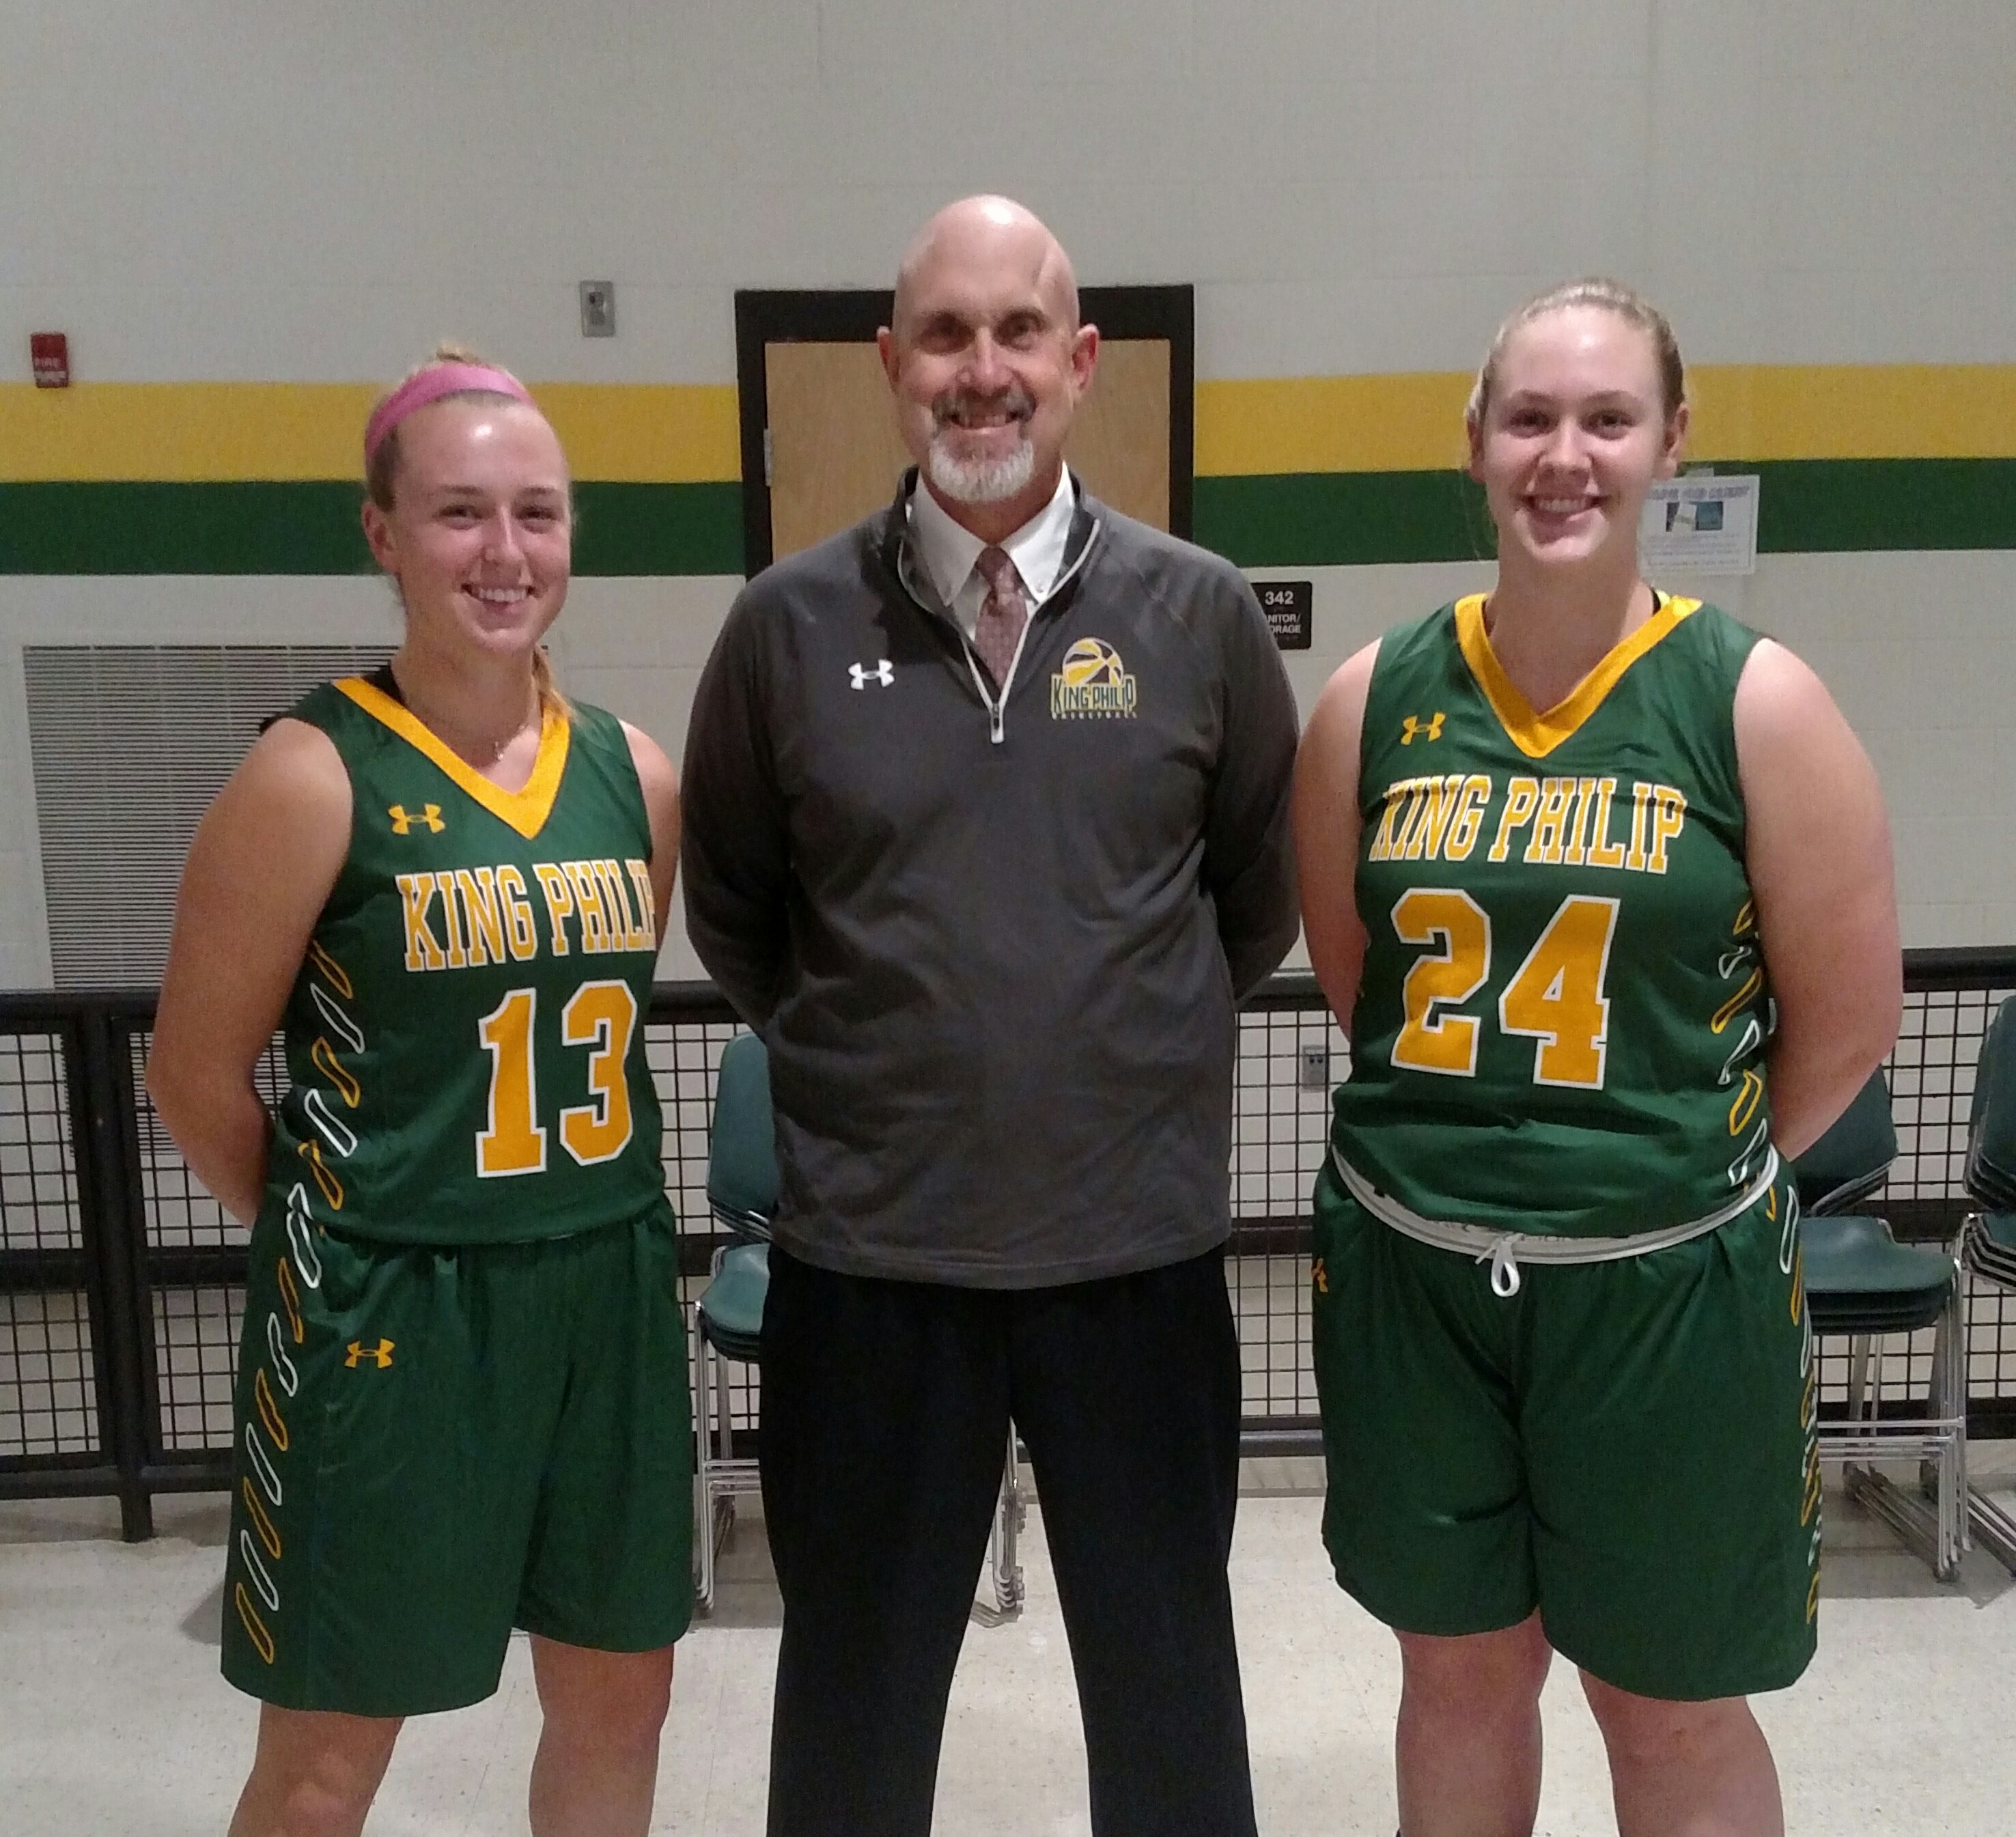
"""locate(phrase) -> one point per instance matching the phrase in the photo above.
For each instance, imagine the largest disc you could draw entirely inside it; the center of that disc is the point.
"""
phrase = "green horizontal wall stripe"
(1809, 507)
(1306, 519)
(1342, 519)
(1827, 506)
(658, 528)
(310, 527)
(146, 527)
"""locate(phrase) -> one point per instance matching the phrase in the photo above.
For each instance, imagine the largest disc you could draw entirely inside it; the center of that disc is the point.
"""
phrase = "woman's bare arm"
(660, 784)
(1818, 855)
(264, 858)
(1325, 815)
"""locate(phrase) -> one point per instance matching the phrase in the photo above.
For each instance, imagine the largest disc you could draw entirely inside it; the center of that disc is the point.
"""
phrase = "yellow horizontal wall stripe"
(1409, 423)
(1414, 423)
(1854, 412)
(677, 434)
(182, 431)
(632, 434)
(646, 433)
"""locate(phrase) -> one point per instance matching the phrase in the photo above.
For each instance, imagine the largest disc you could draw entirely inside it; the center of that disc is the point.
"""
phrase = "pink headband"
(430, 385)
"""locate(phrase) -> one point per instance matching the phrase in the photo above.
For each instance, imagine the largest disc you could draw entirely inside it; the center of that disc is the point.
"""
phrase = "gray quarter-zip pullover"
(994, 944)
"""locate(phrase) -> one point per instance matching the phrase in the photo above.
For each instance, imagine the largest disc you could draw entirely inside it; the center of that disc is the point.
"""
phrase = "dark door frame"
(777, 315)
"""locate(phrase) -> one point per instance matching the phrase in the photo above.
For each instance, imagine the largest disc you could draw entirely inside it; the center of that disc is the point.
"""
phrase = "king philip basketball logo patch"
(1093, 685)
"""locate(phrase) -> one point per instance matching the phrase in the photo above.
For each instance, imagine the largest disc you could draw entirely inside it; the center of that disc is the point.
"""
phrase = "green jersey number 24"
(1555, 997)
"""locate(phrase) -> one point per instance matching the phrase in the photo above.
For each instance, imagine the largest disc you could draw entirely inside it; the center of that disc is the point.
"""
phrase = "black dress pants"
(885, 1414)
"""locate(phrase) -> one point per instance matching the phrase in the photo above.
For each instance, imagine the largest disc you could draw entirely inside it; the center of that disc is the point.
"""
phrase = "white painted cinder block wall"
(214, 191)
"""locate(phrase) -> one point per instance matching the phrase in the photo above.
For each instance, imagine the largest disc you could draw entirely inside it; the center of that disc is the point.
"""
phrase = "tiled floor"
(113, 1720)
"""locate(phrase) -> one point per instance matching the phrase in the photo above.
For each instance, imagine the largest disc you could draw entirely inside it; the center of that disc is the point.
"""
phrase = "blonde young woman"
(462, 1395)
(1565, 846)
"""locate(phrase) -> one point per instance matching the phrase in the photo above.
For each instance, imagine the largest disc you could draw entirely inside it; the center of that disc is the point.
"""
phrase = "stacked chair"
(1989, 1243)
(742, 1186)
(742, 1183)
(1862, 1284)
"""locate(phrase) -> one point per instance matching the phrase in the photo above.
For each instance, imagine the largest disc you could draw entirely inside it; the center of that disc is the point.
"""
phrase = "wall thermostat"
(598, 309)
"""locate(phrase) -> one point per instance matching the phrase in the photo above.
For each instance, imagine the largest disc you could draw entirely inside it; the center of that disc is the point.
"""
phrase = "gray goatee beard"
(980, 481)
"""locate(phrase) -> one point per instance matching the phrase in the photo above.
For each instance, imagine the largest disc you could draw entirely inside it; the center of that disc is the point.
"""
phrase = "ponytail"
(552, 700)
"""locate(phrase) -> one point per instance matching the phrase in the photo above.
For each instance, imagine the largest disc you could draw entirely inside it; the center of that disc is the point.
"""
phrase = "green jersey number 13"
(600, 1016)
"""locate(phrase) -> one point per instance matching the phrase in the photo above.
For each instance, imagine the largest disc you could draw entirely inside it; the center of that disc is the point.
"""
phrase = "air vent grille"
(129, 743)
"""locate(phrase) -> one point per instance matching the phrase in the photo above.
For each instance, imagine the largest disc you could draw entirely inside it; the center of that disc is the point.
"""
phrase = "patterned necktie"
(1003, 614)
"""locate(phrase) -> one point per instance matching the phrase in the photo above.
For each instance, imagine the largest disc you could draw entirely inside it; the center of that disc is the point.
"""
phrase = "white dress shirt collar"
(948, 550)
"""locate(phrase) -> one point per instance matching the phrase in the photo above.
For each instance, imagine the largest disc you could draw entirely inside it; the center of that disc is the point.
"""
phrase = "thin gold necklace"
(475, 756)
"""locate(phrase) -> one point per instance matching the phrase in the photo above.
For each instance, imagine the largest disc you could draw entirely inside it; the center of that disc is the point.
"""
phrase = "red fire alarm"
(49, 353)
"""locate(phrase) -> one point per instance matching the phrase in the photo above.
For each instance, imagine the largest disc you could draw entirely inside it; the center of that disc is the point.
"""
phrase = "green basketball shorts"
(1628, 1447)
(435, 1445)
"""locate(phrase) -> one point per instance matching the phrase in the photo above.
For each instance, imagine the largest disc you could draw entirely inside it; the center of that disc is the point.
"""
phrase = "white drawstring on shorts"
(1505, 1250)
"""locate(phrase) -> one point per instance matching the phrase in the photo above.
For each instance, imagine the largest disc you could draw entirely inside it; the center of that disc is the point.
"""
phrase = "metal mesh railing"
(185, 1292)
(49, 1407)
(1290, 1054)
(194, 1258)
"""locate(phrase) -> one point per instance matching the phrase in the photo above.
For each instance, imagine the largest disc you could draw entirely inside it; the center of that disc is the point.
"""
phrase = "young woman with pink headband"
(462, 1402)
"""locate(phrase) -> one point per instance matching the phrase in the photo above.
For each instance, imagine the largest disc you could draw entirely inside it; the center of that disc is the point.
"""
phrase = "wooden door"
(1119, 440)
(834, 456)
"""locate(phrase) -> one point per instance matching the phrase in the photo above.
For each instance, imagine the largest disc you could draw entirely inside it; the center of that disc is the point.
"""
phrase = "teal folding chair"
(742, 1184)
(1863, 1285)
(1988, 1244)
(742, 1187)
(1853, 1159)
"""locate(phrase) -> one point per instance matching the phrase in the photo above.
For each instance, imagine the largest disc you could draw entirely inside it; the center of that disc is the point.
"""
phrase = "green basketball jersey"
(466, 1039)
(1561, 1020)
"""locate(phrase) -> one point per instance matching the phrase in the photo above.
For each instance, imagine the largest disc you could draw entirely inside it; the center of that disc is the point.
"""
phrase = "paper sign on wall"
(1701, 525)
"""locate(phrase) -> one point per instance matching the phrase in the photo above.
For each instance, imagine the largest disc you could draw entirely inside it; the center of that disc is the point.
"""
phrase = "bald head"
(986, 361)
(987, 235)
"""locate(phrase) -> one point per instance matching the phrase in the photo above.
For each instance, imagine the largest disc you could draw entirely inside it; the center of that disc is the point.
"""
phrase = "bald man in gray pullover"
(985, 834)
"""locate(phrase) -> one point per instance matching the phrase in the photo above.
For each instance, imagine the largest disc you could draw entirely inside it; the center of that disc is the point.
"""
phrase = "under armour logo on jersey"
(380, 1354)
(1413, 728)
(402, 822)
(859, 675)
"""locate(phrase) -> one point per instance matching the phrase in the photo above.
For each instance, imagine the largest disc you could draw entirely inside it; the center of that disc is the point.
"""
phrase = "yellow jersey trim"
(525, 811)
(1537, 735)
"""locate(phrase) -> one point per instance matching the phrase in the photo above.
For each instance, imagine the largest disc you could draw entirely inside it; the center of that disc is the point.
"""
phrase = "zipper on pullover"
(996, 705)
